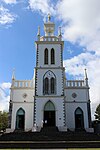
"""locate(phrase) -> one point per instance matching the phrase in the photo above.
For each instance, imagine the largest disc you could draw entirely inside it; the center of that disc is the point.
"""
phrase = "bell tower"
(49, 78)
(49, 27)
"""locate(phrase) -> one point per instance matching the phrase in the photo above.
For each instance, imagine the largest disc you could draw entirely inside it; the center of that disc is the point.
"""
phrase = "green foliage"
(97, 113)
(3, 120)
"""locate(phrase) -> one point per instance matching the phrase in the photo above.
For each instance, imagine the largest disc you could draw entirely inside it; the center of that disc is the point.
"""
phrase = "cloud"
(44, 7)
(6, 85)
(6, 17)
(81, 22)
(69, 50)
(4, 96)
(10, 1)
(81, 25)
(75, 67)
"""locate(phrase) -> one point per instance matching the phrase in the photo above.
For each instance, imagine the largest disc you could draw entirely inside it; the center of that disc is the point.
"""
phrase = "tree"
(3, 120)
(97, 113)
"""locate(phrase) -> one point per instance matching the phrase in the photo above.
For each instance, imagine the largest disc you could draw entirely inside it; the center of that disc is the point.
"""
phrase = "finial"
(38, 34)
(59, 31)
(86, 78)
(13, 74)
(86, 74)
(38, 31)
(49, 17)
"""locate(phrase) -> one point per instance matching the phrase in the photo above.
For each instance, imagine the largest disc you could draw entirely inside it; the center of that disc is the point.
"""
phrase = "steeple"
(59, 31)
(13, 77)
(49, 27)
(13, 74)
(38, 34)
(86, 78)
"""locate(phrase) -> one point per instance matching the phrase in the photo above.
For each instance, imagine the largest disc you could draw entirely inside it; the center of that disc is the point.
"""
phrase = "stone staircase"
(50, 137)
(49, 130)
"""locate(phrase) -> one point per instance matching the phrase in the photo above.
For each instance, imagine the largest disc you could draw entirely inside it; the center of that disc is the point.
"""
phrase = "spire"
(86, 78)
(38, 31)
(13, 77)
(59, 31)
(86, 74)
(38, 34)
(13, 74)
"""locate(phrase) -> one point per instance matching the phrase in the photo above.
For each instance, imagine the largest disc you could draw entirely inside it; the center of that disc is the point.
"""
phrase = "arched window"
(52, 82)
(49, 83)
(49, 106)
(46, 86)
(52, 56)
(79, 118)
(20, 119)
(46, 56)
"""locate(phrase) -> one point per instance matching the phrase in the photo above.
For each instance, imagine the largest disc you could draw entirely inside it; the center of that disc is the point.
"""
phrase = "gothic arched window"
(46, 86)
(52, 82)
(79, 118)
(49, 83)
(20, 119)
(46, 56)
(52, 56)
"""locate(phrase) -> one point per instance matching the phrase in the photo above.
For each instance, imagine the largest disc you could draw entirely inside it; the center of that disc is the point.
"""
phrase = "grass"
(57, 149)
(83, 149)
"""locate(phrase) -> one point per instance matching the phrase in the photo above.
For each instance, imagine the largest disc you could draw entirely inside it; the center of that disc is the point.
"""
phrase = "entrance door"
(49, 118)
(79, 119)
(49, 114)
(20, 119)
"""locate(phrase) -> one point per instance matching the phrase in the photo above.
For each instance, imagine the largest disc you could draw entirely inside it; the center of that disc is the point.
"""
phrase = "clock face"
(74, 95)
(24, 95)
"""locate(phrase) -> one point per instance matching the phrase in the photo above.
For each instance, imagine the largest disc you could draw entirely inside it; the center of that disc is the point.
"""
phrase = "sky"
(80, 24)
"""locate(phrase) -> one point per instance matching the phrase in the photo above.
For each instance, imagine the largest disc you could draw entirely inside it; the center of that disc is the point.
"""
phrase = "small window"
(52, 85)
(52, 56)
(46, 86)
(46, 56)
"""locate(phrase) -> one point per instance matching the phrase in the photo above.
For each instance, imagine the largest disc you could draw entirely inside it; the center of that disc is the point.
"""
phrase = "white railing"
(50, 38)
(22, 84)
(75, 83)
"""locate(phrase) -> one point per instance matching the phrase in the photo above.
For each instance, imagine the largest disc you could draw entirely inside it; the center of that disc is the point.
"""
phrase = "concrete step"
(49, 130)
(49, 136)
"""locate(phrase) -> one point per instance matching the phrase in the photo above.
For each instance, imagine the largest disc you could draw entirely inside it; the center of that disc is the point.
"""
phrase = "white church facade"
(49, 99)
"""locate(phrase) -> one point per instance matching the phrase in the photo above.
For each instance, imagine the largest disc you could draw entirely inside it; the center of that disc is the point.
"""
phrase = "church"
(49, 99)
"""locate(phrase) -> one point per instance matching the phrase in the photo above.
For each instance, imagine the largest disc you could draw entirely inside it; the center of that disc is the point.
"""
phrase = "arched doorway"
(20, 119)
(79, 119)
(49, 114)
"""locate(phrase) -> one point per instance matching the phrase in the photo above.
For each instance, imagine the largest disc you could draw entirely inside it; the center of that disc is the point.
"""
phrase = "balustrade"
(50, 38)
(75, 83)
(22, 84)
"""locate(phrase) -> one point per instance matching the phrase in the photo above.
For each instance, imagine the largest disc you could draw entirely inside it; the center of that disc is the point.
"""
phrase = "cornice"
(78, 87)
(48, 67)
(22, 102)
(75, 101)
(50, 42)
(22, 88)
(48, 96)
